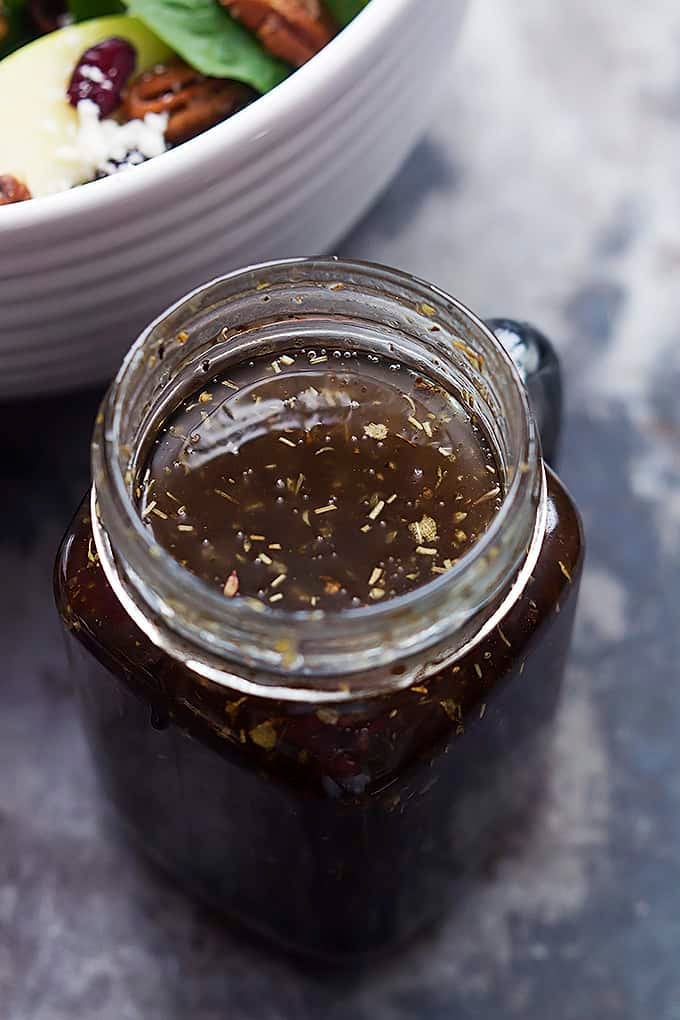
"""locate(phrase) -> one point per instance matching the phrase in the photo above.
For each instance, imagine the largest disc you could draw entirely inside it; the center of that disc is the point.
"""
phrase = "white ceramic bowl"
(83, 271)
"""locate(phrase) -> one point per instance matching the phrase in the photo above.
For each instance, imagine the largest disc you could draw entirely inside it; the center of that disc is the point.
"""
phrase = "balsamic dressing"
(320, 481)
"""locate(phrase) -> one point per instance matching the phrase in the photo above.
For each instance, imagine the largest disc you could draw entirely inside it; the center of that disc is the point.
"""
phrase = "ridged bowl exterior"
(81, 273)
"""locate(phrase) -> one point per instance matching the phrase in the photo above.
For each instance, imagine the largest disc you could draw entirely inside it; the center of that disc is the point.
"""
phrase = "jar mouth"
(312, 643)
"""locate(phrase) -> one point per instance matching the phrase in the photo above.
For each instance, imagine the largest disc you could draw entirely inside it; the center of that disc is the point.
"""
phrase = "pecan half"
(192, 101)
(12, 190)
(293, 30)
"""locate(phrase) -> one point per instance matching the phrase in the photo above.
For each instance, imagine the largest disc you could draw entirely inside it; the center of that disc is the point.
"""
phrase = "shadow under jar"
(322, 730)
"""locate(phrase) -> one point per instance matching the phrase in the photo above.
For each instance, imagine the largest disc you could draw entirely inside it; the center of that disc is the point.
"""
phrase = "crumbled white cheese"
(95, 74)
(105, 146)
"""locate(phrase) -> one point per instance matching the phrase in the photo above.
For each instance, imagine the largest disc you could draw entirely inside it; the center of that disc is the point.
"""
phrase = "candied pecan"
(12, 190)
(293, 30)
(192, 101)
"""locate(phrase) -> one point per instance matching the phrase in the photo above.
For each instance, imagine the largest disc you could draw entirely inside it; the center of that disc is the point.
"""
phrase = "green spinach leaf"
(210, 40)
(344, 10)
(83, 10)
(15, 26)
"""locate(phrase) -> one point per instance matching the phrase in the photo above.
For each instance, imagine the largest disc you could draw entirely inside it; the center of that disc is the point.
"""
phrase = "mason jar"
(332, 781)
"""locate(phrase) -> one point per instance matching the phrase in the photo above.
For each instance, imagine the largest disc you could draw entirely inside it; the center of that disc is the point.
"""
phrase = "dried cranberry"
(101, 73)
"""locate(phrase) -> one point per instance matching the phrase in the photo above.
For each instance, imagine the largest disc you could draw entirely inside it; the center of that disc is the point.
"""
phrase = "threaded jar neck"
(313, 655)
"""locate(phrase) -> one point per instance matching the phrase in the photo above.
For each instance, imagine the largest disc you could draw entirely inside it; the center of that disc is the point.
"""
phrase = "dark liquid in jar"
(335, 829)
(310, 482)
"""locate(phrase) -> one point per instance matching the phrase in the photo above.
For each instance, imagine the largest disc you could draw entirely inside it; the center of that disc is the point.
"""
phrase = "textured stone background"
(549, 189)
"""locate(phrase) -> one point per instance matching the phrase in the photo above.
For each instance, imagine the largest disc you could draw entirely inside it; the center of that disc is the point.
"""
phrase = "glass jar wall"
(331, 780)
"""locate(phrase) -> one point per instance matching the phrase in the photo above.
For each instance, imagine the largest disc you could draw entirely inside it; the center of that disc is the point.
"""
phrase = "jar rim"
(411, 621)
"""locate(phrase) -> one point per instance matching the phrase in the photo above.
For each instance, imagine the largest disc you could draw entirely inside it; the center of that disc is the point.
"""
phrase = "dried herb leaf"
(264, 735)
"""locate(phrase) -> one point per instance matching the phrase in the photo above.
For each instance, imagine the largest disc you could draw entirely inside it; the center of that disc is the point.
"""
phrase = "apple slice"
(38, 125)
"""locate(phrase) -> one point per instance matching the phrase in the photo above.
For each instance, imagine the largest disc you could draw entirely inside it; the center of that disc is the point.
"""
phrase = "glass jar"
(330, 780)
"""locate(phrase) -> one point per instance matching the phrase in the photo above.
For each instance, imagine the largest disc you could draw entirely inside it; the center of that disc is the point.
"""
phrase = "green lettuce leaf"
(209, 39)
(344, 10)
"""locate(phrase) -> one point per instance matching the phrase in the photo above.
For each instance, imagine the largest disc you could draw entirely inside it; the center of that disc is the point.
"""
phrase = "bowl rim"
(254, 122)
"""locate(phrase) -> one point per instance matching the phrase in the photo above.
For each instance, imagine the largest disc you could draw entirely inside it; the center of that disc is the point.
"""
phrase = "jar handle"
(539, 367)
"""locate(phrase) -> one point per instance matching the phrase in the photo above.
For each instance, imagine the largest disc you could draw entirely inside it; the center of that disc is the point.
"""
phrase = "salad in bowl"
(99, 86)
